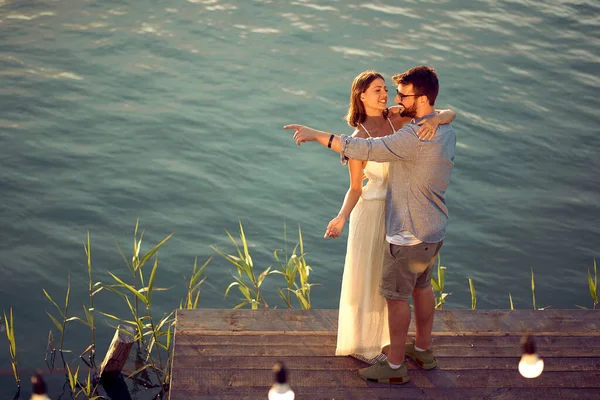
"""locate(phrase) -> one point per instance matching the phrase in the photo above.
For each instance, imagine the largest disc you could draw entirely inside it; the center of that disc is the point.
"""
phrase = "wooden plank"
(307, 339)
(503, 378)
(517, 322)
(254, 351)
(200, 380)
(397, 392)
(447, 322)
(254, 393)
(544, 341)
(592, 344)
(322, 351)
(349, 363)
(207, 320)
(204, 378)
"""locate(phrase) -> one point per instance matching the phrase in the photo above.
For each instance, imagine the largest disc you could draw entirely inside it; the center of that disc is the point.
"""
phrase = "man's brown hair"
(424, 80)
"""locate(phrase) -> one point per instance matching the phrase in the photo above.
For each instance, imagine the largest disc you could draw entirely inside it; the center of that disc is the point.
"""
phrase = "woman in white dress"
(362, 323)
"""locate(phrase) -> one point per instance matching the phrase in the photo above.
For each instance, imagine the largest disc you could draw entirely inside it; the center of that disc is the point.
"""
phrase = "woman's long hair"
(356, 110)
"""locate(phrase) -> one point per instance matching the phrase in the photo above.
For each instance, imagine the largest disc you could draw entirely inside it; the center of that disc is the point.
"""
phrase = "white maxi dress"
(362, 322)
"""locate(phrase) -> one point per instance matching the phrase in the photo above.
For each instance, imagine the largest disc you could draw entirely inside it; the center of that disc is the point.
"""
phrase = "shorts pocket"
(390, 250)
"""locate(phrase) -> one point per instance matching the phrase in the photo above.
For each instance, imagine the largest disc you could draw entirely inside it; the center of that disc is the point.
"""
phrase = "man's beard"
(409, 112)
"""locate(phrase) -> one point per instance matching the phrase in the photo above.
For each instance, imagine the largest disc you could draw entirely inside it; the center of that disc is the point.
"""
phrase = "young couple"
(397, 220)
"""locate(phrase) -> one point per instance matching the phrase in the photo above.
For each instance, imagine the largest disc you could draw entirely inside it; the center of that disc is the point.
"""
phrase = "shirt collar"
(417, 120)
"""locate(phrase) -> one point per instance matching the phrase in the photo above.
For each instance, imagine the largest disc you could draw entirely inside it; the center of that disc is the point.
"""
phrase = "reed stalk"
(438, 282)
(9, 325)
(533, 290)
(193, 286)
(473, 295)
(593, 286)
(246, 281)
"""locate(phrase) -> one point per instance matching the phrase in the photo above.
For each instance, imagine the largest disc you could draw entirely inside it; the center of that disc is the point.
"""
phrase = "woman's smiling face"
(375, 97)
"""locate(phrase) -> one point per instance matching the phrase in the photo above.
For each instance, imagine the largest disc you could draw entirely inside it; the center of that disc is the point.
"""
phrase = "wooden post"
(119, 349)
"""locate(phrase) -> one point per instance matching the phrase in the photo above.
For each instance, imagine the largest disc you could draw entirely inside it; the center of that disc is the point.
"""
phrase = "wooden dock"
(229, 354)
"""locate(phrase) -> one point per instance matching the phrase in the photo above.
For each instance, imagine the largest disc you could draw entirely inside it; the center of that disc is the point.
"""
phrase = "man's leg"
(397, 291)
(393, 370)
(423, 258)
(424, 302)
(398, 320)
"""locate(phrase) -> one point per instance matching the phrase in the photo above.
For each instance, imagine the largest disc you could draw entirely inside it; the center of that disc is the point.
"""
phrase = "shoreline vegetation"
(152, 336)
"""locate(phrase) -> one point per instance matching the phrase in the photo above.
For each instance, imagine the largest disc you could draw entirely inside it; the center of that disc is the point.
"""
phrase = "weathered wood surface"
(118, 351)
(228, 354)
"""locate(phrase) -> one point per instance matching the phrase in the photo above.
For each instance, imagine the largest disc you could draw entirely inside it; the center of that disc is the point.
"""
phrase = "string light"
(530, 366)
(40, 391)
(280, 389)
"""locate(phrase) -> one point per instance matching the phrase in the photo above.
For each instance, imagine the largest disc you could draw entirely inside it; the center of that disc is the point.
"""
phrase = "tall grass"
(296, 273)
(294, 269)
(593, 286)
(193, 286)
(89, 312)
(152, 335)
(61, 324)
(533, 290)
(9, 325)
(138, 295)
(473, 294)
(438, 282)
(247, 281)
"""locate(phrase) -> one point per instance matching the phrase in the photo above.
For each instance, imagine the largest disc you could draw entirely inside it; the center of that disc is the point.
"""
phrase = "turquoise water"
(172, 112)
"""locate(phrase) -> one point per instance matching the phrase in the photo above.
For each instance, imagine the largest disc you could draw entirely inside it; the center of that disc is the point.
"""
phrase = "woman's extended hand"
(335, 227)
(428, 127)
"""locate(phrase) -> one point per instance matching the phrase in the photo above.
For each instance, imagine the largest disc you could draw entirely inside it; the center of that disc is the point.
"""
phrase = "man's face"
(406, 97)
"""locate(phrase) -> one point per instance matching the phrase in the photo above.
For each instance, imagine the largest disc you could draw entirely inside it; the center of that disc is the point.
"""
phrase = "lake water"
(172, 111)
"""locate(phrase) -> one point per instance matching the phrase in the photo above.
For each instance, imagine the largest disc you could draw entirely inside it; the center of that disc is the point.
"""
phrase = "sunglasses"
(402, 96)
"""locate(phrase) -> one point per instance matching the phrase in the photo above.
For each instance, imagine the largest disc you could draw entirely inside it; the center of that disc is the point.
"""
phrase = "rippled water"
(172, 112)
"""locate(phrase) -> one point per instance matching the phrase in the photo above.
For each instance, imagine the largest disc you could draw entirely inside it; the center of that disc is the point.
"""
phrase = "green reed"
(64, 319)
(294, 269)
(89, 312)
(296, 273)
(593, 286)
(473, 294)
(9, 325)
(533, 290)
(246, 281)
(148, 330)
(438, 282)
(288, 269)
(193, 286)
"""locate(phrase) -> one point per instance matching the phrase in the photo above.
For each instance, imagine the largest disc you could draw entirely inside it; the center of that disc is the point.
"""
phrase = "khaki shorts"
(406, 268)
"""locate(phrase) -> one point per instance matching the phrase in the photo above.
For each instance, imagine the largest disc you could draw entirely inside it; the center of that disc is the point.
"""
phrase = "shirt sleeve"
(401, 145)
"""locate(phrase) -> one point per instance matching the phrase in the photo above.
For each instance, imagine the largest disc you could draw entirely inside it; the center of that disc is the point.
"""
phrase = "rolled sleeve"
(354, 148)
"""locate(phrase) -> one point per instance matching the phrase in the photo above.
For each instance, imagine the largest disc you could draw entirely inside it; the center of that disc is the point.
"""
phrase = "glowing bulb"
(280, 389)
(281, 392)
(531, 366)
(39, 388)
